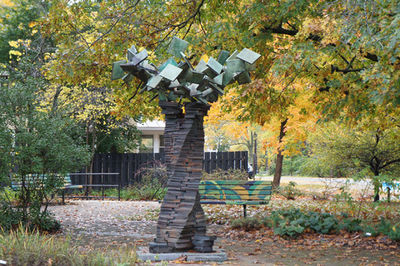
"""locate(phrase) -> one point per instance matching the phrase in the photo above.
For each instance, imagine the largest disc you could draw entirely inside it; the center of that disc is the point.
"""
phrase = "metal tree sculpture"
(181, 224)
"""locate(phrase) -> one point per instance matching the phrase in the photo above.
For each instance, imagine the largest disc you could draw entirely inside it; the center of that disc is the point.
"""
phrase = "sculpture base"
(201, 243)
(159, 248)
(217, 256)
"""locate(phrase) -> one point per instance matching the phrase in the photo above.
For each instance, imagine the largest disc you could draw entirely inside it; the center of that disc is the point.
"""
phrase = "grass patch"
(22, 248)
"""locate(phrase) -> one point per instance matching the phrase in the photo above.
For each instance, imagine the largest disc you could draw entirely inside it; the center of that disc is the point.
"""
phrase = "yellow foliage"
(13, 44)
(15, 52)
(8, 3)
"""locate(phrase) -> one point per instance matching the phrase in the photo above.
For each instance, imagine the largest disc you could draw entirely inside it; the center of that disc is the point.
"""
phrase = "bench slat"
(236, 202)
(234, 182)
(235, 191)
(233, 197)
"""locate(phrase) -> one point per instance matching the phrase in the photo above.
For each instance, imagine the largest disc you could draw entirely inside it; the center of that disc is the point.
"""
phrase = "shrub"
(290, 191)
(247, 224)
(351, 225)
(34, 143)
(230, 174)
(293, 222)
(394, 233)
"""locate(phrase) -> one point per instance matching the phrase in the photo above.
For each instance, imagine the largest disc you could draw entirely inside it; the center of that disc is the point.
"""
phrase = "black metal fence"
(129, 165)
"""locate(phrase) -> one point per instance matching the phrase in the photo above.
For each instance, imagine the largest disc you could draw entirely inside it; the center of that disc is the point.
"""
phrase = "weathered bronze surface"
(181, 225)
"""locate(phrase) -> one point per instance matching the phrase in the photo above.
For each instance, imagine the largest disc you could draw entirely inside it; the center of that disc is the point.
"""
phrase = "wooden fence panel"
(130, 165)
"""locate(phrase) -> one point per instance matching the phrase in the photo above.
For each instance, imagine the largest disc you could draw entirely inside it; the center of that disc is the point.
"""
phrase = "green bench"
(41, 179)
(235, 192)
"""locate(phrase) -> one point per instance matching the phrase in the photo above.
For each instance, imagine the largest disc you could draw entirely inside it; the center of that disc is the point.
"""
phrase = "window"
(162, 145)
(147, 143)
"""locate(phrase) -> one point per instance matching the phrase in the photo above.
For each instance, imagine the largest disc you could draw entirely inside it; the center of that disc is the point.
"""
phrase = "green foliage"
(384, 227)
(34, 143)
(364, 152)
(290, 191)
(230, 174)
(22, 248)
(121, 137)
(292, 223)
(351, 225)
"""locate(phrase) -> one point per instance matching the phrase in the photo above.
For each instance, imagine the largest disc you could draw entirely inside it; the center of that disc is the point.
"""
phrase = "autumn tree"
(339, 59)
(373, 151)
(343, 55)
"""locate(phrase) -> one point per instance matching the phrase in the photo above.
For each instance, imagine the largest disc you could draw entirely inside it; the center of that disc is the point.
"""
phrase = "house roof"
(151, 125)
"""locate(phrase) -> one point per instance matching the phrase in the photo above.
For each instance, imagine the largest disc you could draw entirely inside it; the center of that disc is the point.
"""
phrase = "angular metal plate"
(169, 61)
(201, 66)
(227, 78)
(233, 56)
(248, 56)
(214, 65)
(177, 46)
(206, 92)
(127, 78)
(131, 52)
(148, 67)
(154, 81)
(129, 67)
(170, 72)
(117, 71)
(243, 78)
(138, 58)
(218, 79)
(235, 66)
(186, 60)
(222, 57)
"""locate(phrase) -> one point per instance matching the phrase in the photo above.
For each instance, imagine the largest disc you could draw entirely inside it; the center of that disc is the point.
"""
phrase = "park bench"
(15, 185)
(41, 179)
(235, 192)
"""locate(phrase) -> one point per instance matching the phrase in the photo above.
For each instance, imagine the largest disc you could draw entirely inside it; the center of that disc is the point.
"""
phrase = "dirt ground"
(113, 224)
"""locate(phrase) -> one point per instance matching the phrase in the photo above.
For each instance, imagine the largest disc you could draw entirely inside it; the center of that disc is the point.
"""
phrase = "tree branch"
(389, 163)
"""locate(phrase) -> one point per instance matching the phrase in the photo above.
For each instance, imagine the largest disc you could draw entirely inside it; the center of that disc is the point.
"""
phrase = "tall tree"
(368, 151)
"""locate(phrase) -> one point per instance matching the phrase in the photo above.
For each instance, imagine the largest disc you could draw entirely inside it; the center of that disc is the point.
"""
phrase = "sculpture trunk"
(181, 216)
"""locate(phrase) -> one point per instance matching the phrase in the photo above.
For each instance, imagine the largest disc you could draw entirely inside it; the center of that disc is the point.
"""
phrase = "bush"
(34, 143)
(230, 174)
(290, 191)
(351, 225)
(22, 248)
(11, 218)
(385, 227)
(394, 233)
(291, 223)
(249, 223)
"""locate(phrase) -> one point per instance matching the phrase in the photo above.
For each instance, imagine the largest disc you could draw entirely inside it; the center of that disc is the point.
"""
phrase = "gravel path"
(108, 224)
(120, 221)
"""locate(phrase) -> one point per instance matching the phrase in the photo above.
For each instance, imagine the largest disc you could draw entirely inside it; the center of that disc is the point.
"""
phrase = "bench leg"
(119, 193)
(244, 211)
(63, 196)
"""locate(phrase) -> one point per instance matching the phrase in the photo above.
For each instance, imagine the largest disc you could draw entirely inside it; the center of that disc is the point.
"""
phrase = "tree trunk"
(377, 186)
(255, 166)
(279, 157)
